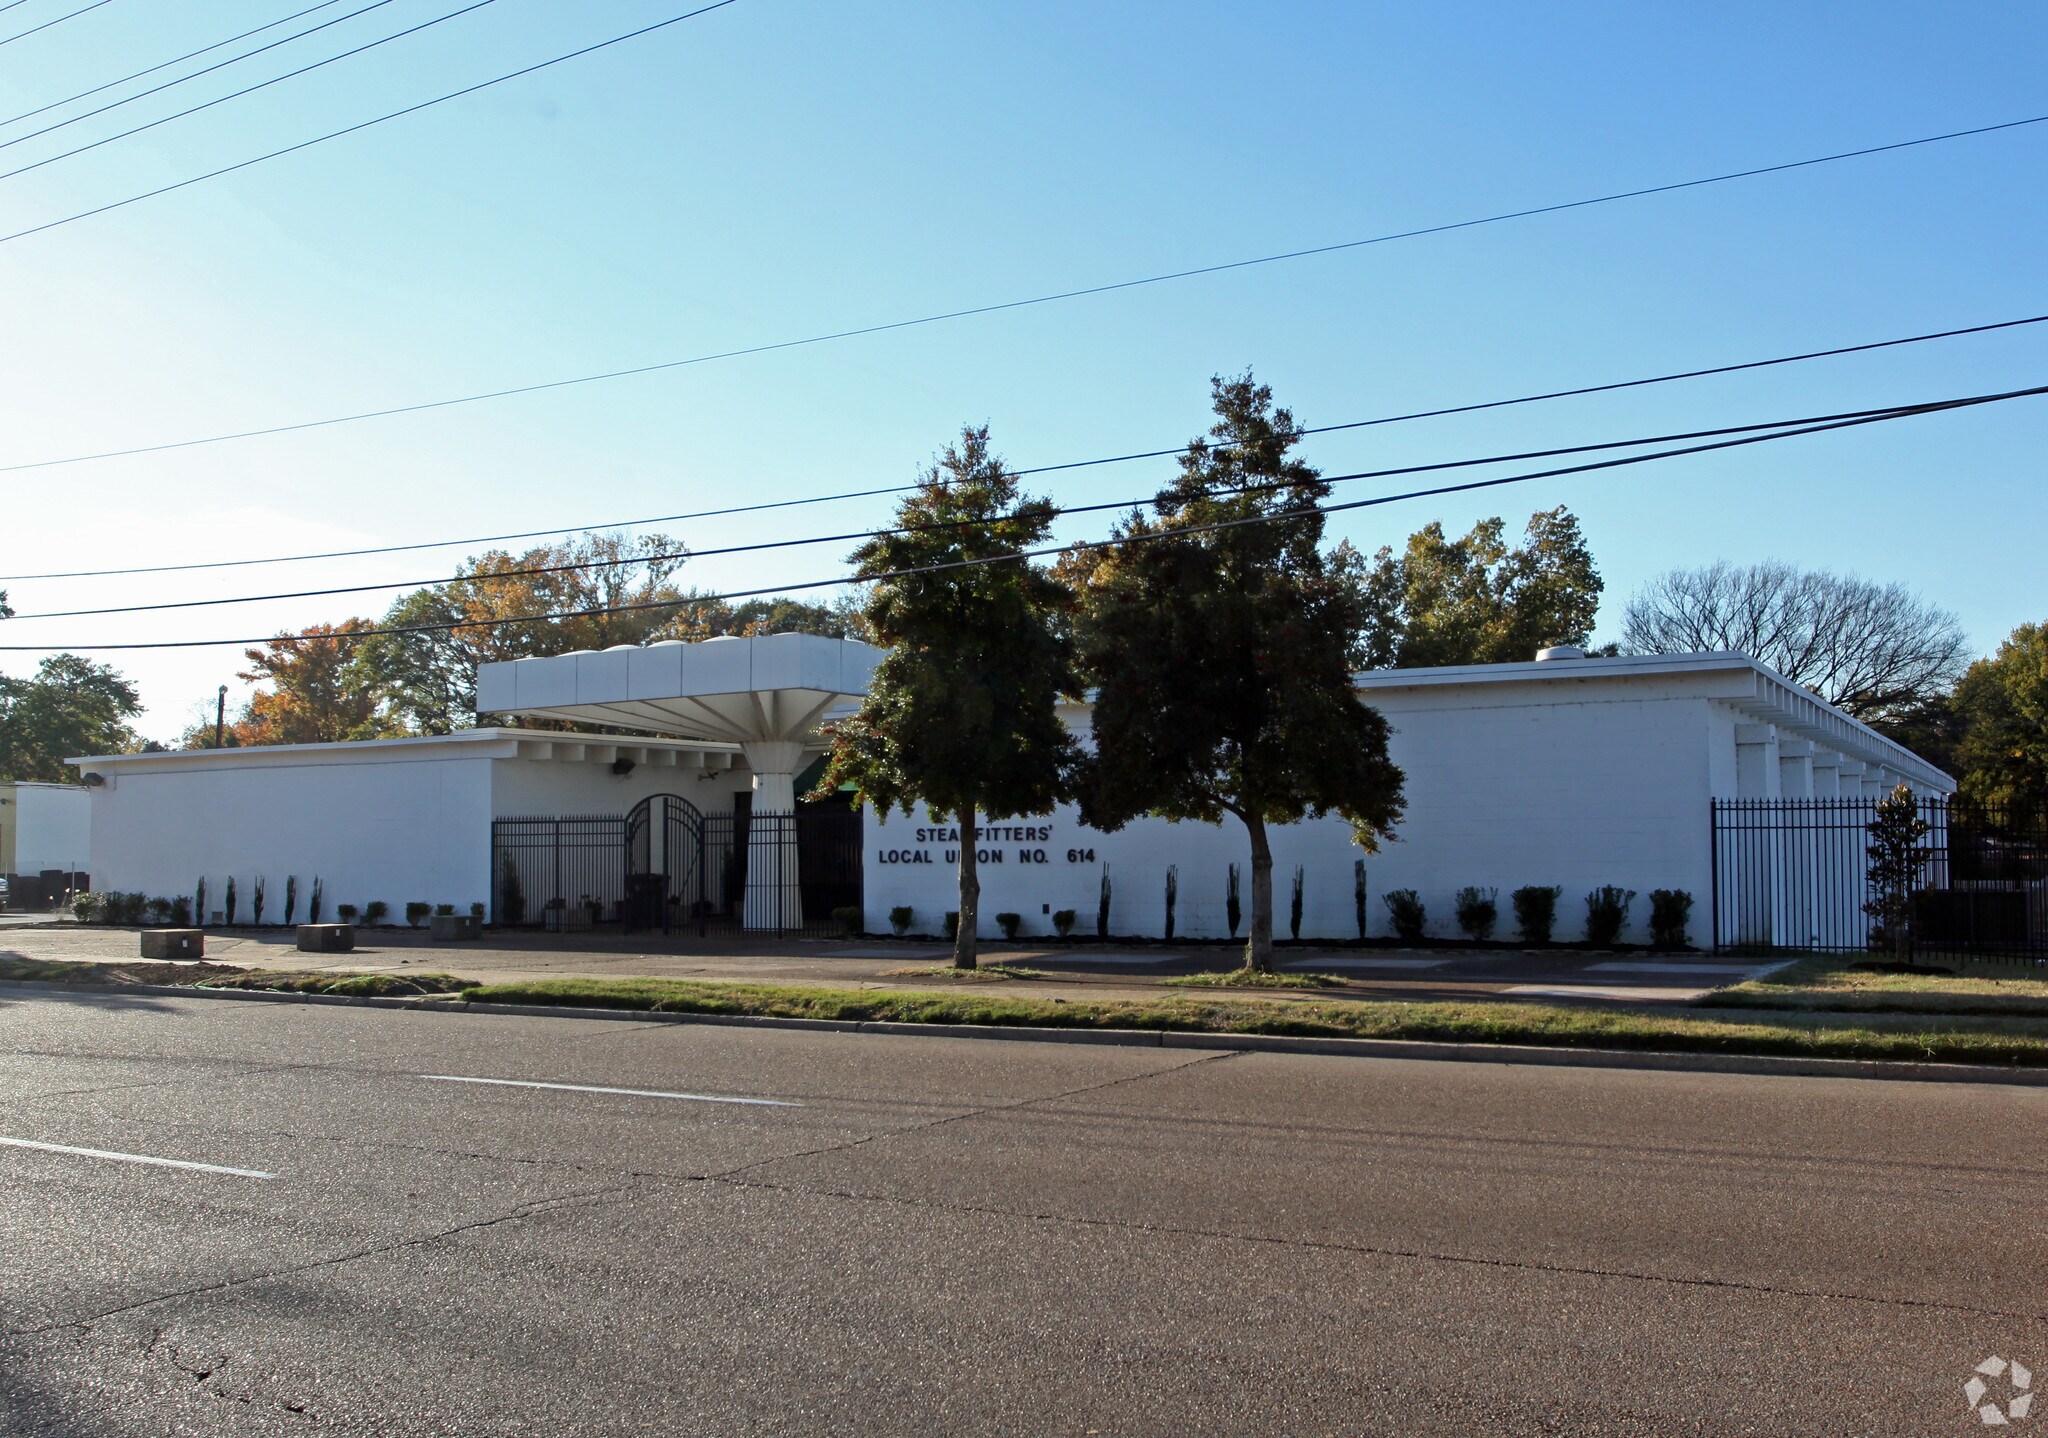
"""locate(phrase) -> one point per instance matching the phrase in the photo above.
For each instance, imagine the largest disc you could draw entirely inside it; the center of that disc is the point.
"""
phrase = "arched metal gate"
(667, 866)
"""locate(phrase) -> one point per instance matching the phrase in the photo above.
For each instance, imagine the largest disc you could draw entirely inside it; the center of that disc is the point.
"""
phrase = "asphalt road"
(939, 1236)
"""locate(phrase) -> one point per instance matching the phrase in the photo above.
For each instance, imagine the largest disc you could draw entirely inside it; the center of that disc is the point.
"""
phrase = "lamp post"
(220, 715)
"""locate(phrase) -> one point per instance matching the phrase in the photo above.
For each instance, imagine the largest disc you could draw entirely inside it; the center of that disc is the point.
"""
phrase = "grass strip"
(984, 973)
(1252, 979)
(353, 986)
(1824, 985)
(2004, 1042)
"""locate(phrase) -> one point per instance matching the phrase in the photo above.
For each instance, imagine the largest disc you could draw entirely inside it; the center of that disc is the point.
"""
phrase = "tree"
(1222, 659)
(961, 712)
(72, 707)
(1475, 600)
(315, 696)
(2003, 704)
(1874, 650)
(425, 682)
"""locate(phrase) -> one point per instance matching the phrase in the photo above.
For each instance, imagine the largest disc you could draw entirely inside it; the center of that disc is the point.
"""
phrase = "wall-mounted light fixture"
(622, 767)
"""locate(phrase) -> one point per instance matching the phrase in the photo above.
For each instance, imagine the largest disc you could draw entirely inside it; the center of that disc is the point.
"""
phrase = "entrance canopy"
(773, 689)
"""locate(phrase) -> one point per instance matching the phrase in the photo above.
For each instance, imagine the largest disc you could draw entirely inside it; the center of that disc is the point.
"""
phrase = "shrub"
(1670, 909)
(1536, 911)
(1358, 894)
(900, 919)
(950, 929)
(1405, 907)
(181, 911)
(375, 911)
(291, 897)
(116, 907)
(476, 910)
(89, 908)
(256, 902)
(1172, 896)
(1010, 924)
(231, 899)
(416, 911)
(849, 918)
(159, 910)
(1294, 908)
(1062, 922)
(1896, 864)
(1606, 912)
(1102, 907)
(314, 901)
(445, 910)
(347, 912)
(511, 894)
(199, 903)
(1233, 909)
(1478, 911)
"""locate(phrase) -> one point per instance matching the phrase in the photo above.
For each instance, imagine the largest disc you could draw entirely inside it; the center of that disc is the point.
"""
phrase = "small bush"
(900, 919)
(1536, 911)
(950, 929)
(1063, 922)
(1478, 912)
(347, 912)
(1172, 897)
(476, 910)
(159, 910)
(1606, 912)
(511, 894)
(1102, 907)
(1358, 894)
(1233, 909)
(1294, 908)
(375, 911)
(181, 911)
(849, 919)
(125, 908)
(89, 908)
(1405, 907)
(416, 911)
(256, 902)
(231, 899)
(199, 903)
(1010, 924)
(291, 898)
(315, 900)
(444, 910)
(1670, 909)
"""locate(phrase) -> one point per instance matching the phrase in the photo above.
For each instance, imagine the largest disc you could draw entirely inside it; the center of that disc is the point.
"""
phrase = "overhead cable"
(1040, 469)
(161, 64)
(37, 30)
(1061, 512)
(364, 124)
(1170, 531)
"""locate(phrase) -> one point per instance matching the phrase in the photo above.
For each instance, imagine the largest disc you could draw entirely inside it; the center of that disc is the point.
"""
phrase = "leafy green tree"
(1475, 600)
(315, 696)
(961, 714)
(71, 707)
(1222, 659)
(2003, 703)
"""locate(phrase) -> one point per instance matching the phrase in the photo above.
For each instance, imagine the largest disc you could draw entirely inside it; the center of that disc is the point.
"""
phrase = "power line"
(235, 95)
(23, 35)
(1061, 512)
(161, 64)
(1281, 516)
(1040, 469)
(366, 124)
(930, 319)
(172, 84)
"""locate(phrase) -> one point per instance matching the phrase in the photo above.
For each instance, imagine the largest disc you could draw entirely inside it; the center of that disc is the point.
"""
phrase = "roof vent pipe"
(1559, 651)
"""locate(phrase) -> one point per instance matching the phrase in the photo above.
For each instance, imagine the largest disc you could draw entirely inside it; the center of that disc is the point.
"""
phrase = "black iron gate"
(1794, 874)
(667, 866)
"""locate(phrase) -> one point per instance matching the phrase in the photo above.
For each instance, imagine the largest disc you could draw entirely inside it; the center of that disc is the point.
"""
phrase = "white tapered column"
(774, 887)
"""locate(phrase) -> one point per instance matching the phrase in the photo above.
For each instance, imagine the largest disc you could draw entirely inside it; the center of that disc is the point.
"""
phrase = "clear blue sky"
(780, 168)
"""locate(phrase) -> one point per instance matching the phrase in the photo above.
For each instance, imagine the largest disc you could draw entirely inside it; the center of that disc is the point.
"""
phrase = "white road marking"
(136, 1158)
(629, 1092)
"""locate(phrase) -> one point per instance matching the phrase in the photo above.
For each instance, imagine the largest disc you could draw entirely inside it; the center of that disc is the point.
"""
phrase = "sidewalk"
(1096, 972)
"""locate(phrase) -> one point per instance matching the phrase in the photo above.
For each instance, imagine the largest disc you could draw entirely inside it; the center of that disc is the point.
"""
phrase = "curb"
(1653, 1060)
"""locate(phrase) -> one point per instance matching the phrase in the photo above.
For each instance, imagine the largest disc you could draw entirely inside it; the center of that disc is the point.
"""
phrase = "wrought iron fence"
(1795, 874)
(667, 867)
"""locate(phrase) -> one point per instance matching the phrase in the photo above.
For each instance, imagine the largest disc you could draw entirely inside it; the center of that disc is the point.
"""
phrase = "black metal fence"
(667, 867)
(1795, 874)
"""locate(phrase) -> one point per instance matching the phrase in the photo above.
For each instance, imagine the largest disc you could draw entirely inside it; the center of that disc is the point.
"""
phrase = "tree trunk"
(1258, 949)
(970, 895)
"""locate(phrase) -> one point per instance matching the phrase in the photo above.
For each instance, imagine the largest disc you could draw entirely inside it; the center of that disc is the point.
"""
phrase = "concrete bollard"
(327, 938)
(451, 928)
(173, 944)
